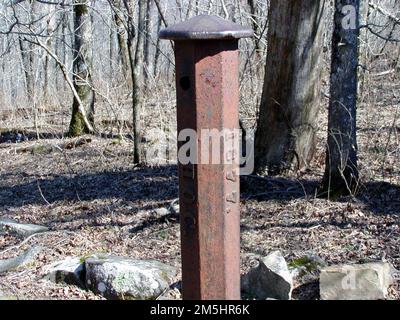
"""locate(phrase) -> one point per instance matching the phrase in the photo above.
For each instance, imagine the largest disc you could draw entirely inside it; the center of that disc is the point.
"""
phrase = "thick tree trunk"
(291, 94)
(341, 173)
(82, 66)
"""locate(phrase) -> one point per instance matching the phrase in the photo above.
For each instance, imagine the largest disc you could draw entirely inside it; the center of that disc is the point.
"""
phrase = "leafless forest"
(88, 134)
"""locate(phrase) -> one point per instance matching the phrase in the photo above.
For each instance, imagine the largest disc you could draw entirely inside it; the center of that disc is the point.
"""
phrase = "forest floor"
(93, 199)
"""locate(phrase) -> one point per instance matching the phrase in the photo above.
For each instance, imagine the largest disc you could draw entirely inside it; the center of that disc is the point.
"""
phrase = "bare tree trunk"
(364, 50)
(157, 52)
(290, 103)
(148, 65)
(111, 50)
(26, 49)
(48, 62)
(136, 58)
(341, 172)
(61, 49)
(82, 66)
(122, 43)
(27, 62)
(137, 76)
(255, 25)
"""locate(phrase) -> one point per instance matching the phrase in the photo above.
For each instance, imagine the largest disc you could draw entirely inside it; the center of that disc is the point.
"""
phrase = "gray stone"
(270, 279)
(369, 281)
(22, 260)
(122, 278)
(70, 271)
(23, 230)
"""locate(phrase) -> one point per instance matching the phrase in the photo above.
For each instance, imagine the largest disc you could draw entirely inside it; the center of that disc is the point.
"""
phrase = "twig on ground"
(41, 193)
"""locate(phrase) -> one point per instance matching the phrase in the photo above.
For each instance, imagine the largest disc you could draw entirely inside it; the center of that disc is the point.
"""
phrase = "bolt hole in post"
(184, 82)
(207, 70)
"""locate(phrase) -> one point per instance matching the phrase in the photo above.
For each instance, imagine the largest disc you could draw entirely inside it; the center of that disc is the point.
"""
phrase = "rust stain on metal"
(206, 54)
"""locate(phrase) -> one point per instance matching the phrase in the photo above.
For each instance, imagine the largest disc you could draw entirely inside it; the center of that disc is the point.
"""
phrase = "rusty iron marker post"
(207, 72)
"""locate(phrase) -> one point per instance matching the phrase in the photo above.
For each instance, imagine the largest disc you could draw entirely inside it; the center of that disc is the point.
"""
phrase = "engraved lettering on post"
(231, 176)
(232, 197)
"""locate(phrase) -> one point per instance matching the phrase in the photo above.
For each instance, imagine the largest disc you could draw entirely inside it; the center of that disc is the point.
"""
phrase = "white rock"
(369, 281)
(70, 271)
(23, 230)
(270, 279)
(123, 278)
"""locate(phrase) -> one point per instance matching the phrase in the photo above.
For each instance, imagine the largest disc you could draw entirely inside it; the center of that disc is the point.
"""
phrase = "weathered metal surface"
(207, 98)
(205, 27)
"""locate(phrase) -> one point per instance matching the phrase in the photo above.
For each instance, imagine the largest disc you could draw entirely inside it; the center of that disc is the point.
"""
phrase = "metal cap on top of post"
(207, 84)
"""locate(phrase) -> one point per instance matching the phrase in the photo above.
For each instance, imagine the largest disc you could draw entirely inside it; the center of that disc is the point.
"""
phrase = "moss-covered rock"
(122, 278)
(307, 263)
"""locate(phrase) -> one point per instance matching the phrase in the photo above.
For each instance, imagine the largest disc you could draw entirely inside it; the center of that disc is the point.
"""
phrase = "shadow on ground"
(161, 183)
(18, 135)
(379, 197)
(136, 185)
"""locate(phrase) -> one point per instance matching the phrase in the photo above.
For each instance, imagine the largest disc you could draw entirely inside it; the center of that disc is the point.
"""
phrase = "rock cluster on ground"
(272, 279)
(110, 276)
(115, 277)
